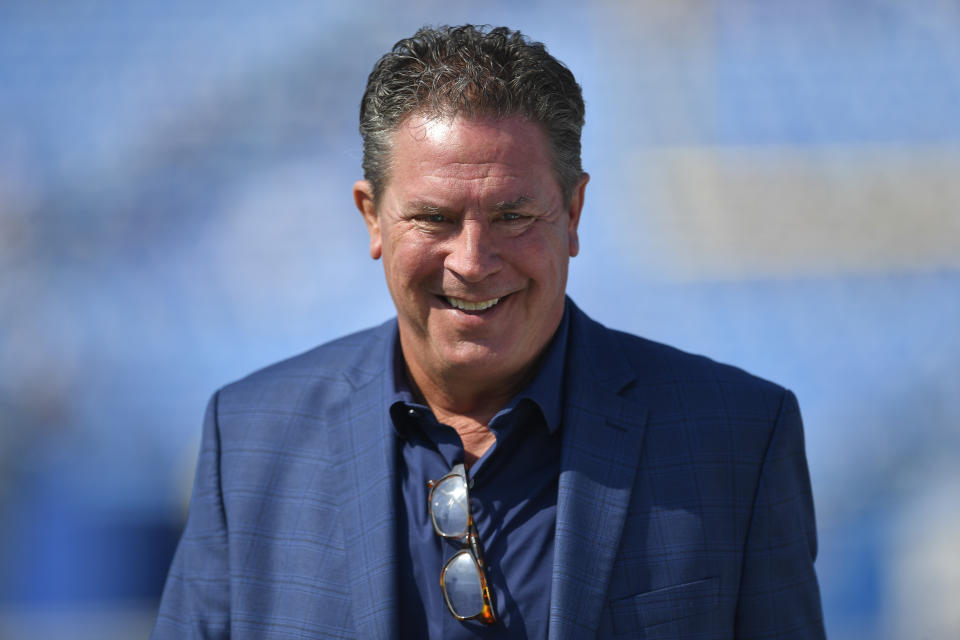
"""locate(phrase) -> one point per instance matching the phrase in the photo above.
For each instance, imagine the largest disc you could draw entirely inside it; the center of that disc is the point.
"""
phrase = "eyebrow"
(421, 206)
(510, 205)
(424, 207)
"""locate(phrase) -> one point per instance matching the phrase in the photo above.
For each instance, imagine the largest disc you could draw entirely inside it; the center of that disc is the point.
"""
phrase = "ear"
(363, 198)
(573, 218)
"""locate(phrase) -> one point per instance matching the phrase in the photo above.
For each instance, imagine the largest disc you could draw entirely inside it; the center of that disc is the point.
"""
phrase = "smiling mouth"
(466, 305)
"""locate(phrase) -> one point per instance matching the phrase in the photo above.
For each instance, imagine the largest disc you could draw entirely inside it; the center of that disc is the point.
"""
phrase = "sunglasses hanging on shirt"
(463, 578)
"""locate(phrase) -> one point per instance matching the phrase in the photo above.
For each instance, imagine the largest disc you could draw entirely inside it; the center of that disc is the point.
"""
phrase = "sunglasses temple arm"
(486, 615)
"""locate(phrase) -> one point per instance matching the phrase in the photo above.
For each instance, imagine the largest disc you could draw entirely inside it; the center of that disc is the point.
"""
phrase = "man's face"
(475, 238)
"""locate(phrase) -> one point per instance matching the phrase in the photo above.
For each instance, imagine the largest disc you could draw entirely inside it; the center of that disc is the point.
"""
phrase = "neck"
(452, 396)
(464, 402)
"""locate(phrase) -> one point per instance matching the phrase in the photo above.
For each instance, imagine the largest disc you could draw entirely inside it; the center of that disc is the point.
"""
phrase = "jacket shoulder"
(652, 362)
(672, 383)
(655, 359)
(327, 372)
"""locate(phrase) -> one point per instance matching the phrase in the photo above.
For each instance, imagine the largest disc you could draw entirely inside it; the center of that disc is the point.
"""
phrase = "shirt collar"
(545, 390)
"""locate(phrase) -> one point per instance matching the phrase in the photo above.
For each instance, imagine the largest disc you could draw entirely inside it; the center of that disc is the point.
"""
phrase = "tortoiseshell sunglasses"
(463, 578)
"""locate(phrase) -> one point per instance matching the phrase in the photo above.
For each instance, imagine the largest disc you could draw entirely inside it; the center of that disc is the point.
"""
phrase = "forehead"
(467, 153)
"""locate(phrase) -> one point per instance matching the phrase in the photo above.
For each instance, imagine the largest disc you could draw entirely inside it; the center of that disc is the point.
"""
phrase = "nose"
(473, 255)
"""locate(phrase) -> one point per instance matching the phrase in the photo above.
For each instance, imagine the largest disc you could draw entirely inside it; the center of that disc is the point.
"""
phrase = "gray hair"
(476, 72)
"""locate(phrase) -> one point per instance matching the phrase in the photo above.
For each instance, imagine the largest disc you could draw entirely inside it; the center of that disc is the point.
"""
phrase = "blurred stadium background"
(775, 184)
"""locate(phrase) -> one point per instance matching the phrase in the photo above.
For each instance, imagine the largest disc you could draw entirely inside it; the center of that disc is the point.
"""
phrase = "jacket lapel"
(368, 474)
(602, 437)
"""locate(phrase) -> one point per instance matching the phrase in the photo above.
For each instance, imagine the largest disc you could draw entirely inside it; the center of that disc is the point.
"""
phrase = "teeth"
(464, 305)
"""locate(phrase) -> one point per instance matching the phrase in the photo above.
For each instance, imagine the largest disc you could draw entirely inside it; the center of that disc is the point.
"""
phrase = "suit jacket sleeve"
(779, 596)
(196, 598)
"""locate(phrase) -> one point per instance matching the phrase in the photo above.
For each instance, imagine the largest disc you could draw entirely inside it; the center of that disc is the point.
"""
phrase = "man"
(492, 462)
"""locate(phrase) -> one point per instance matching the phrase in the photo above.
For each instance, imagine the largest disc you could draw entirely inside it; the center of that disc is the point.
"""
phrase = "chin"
(476, 357)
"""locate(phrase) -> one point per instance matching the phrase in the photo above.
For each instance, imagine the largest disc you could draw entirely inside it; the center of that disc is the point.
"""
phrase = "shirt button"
(412, 413)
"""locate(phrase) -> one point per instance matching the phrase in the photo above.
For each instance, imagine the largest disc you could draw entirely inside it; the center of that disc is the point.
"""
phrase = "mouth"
(467, 305)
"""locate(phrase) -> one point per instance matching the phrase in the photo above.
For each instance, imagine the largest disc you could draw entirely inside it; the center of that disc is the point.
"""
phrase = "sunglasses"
(462, 580)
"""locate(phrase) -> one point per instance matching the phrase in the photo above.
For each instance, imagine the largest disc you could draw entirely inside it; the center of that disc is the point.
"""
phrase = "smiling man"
(492, 462)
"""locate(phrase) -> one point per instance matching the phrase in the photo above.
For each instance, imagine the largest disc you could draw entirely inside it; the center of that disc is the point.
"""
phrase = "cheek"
(543, 259)
(410, 260)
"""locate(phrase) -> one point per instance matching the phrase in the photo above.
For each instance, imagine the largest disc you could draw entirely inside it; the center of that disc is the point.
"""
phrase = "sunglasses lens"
(461, 585)
(449, 506)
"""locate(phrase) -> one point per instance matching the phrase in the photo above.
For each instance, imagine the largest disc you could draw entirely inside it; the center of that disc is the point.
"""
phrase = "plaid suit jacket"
(684, 507)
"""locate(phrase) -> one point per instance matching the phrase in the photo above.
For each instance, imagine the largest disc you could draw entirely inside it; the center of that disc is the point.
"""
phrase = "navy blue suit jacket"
(684, 507)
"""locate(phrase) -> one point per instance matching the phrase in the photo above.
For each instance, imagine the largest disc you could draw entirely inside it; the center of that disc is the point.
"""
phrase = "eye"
(512, 217)
(432, 218)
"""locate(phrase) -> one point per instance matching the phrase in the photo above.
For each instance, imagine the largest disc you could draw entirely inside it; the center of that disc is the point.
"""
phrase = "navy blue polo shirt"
(513, 497)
